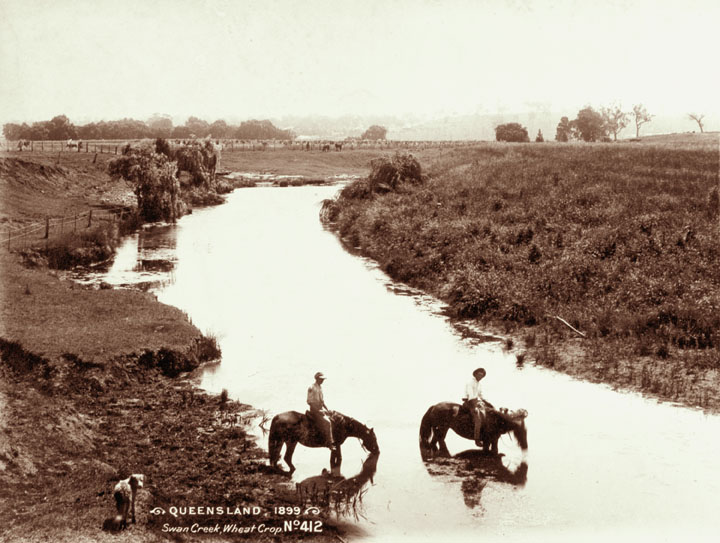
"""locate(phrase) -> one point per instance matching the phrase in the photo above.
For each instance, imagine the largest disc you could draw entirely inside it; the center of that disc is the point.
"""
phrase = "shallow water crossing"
(285, 300)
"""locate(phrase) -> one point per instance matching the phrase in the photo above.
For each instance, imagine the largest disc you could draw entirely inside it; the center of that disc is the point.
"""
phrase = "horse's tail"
(275, 441)
(426, 430)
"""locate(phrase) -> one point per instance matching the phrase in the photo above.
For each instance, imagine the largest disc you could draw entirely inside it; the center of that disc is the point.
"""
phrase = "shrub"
(375, 132)
(81, 249)
(156, 185)
(388, 174)
(199, 160)
(513, 132)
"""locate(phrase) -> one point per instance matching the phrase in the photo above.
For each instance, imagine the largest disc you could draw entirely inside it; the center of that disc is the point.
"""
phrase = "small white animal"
(124, 494)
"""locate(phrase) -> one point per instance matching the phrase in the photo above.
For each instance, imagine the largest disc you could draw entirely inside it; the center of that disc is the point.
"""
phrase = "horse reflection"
(474, 470)
(342, 495)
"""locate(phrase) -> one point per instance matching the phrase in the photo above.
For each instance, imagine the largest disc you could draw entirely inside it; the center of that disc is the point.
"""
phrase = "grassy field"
(619, 240)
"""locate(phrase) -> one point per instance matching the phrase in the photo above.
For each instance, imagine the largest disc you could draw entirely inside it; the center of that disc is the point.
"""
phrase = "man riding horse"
(473, 402)
(318, 412)
(318, 427)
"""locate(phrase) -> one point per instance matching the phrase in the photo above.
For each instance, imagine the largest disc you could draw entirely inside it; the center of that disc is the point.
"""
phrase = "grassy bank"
(619, 240)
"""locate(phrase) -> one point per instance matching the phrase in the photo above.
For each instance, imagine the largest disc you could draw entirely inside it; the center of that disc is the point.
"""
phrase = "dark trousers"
(477, 411)
(322, 423)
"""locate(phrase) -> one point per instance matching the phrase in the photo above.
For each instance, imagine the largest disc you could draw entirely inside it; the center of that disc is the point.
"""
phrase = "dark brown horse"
(446, 415)
(292, 427)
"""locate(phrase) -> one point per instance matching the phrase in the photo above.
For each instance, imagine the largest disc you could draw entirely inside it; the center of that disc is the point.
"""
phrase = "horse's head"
(369, 441)
(519, 430)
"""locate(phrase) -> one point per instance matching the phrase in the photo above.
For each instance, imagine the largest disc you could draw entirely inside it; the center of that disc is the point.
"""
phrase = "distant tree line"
(158, 126)
(592, 125)
(589, 125)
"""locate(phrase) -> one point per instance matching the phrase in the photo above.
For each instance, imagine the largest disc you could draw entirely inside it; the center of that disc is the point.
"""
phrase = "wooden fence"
(41, 233)
(227, 144)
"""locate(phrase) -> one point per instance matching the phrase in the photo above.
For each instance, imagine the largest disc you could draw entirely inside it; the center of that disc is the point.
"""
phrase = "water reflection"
(342, 495)
(145, 260)
(473, 469)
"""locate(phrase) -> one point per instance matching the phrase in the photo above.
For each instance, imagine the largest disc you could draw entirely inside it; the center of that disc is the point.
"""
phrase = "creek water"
(285, 299)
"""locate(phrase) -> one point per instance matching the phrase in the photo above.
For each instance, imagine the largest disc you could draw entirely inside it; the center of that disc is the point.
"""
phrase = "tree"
(375, 132)
(615, 119)
(563, 130)
(262, 130)
(198, 127)
(641, 116)
(160, 126)
(39, 131)
(156, 186)
(14, 132)
(511, 132)
(180, 132)
(60, 128)
(219, 129)
(90, 131)
(590, 124)
(539, 138)
(698, 118)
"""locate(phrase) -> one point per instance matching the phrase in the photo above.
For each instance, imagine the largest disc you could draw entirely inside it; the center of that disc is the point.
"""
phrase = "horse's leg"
(335, 460)
(434, 447)
(440, 434)
(289, 450)
(490, 444)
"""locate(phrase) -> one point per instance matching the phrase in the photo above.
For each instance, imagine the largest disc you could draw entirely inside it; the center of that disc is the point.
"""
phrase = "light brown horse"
(292, 427)
(446, 415)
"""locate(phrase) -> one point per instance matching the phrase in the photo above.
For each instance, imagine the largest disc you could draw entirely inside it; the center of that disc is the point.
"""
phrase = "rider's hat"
(319, 375)
(480, 370)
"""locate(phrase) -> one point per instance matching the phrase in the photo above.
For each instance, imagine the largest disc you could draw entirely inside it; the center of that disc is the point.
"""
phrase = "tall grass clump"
(386, 175)
(76, 248)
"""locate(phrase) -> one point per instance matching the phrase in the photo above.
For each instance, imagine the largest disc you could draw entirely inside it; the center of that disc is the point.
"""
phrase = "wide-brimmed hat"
(480, 370)
(319, 375)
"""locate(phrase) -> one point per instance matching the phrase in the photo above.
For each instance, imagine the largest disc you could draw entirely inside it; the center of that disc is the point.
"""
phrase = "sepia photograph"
(359, 271)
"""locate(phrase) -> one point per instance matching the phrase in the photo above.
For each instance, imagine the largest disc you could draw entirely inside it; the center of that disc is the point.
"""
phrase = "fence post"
(62, 224)
(90, 218)
(75, 224)
(8, 239)
(47, 227)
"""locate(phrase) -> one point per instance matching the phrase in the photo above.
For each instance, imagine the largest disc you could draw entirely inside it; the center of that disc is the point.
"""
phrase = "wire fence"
(42, 233)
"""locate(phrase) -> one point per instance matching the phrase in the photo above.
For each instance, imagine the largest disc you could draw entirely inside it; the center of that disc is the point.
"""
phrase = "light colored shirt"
(473, 390)
(315, 396)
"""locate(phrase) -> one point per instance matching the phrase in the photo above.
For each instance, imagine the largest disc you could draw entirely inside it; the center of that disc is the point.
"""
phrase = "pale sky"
(238, 59)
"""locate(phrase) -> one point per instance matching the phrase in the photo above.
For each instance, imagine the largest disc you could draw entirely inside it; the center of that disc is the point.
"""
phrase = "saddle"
(313, 431)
